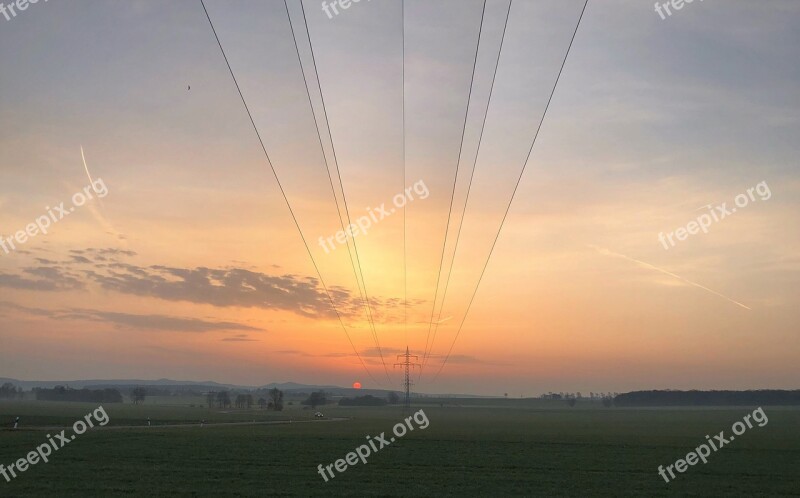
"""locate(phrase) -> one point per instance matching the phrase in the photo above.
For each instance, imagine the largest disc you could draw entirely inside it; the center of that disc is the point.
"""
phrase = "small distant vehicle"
(319, 415)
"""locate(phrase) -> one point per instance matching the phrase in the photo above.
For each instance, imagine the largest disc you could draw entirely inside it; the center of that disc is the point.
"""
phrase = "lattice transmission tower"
(405, 361)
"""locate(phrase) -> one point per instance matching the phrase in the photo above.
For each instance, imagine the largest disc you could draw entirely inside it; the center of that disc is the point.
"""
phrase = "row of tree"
(367, 400)
(564, 395)
(8, 391)
(222, 399)
(318, 398)
(572, 398)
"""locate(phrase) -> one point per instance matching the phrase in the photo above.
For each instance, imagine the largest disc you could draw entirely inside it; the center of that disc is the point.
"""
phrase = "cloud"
(387, 353)
(229, 287)
(43, 261)
(295, 352)
(221, 287)
(159, 322)
(239, 338)
(292, 352)
(46, 278)
(461, 358)
(133, 321)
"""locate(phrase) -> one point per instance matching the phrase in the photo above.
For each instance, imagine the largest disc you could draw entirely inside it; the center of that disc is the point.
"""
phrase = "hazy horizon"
(191, 266)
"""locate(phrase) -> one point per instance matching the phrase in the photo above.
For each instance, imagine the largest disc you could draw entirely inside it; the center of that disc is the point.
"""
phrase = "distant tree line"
(138, 395)
(317, 398)
(592, 396)
(244, 401)
(8, 391)
(64, 393)
(607, 399)
(708, 398)
(222, 399)
(367, 400)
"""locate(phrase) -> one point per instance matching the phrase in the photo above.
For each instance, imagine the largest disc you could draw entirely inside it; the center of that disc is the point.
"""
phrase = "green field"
(471, 448)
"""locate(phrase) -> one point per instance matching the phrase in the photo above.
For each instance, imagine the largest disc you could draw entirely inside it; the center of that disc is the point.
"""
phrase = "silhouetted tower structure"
(407, 364)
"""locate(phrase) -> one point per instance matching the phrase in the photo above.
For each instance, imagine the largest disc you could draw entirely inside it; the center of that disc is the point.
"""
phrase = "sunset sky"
(191, 267)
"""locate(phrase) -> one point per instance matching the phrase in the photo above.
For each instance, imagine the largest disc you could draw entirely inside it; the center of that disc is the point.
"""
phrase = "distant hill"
(293, 386)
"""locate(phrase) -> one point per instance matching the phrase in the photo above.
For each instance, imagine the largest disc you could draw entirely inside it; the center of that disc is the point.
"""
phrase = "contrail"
(86, 167)
(98, 216)
(606, 252)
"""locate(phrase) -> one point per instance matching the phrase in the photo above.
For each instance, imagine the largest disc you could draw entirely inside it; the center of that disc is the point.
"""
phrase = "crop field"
(468, 449)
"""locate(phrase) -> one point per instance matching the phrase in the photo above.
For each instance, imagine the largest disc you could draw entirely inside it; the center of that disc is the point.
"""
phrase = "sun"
(356, 385)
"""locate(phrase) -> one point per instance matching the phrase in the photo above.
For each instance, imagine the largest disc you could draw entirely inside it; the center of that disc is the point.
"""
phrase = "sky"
(186, 263)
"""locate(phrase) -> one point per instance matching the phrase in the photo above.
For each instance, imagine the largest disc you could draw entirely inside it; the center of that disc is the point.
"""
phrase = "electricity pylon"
(407, 365)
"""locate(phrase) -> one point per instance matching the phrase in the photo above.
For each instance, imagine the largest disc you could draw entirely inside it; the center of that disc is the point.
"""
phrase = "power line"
(341, 185)
(508, 208)
(330, 178)
(471, 177)
(455, 182)
(283, 192)
(403, 186)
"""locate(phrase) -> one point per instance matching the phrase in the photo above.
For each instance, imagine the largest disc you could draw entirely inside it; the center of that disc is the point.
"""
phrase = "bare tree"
(223, 399)
(317, 398)
(276, 395)
(241, 400)
(138, 394)
(8, 390)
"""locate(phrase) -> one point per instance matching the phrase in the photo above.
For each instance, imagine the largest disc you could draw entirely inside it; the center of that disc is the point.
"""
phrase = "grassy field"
(471, 448)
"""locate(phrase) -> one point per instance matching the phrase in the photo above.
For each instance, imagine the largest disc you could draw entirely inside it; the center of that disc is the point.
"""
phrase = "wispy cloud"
(239, 338)
(222, 287)
(134, 321)
(374, 353)
(42, 278)
(226, 287)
